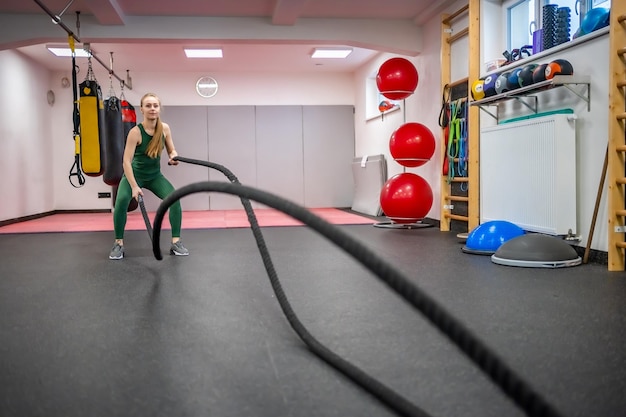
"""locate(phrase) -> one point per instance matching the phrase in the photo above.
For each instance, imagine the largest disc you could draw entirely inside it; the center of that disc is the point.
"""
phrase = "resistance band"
(462, 145)
(518, 390)
(444, 123)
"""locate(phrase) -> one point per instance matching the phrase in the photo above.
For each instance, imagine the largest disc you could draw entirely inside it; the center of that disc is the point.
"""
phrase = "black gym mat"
(203, 335)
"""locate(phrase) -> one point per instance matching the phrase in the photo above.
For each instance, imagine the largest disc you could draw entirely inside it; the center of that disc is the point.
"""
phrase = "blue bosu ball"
(489, 236)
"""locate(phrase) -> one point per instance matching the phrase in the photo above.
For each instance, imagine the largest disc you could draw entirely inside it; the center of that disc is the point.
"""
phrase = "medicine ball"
(558, 67)
(502, 83)
(478, 92)
(539, 73)
(489, 86)
(512, 81)
(525, 76)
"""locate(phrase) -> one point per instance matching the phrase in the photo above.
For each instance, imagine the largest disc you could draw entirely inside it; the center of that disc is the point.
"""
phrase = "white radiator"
(528, 174)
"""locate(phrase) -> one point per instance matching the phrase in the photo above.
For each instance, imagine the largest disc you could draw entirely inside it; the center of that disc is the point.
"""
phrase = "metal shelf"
(525, 94)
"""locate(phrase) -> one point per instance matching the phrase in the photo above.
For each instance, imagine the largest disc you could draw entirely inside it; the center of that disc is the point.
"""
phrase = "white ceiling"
(256, 35)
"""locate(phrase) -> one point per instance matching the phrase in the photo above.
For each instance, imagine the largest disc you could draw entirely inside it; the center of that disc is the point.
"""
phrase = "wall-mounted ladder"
(461, 190)
(617, 137)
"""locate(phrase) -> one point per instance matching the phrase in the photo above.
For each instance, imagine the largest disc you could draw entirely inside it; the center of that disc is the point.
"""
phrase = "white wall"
(26, 143)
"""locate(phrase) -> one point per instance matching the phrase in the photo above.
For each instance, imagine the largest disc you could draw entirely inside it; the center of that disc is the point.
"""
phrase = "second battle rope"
(518, 390)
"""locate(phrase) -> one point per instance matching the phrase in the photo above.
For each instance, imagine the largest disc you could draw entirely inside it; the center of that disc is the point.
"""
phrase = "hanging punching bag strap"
(75, 171)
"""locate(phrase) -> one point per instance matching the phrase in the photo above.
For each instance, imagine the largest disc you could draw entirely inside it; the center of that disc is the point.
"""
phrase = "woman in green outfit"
(142, 169)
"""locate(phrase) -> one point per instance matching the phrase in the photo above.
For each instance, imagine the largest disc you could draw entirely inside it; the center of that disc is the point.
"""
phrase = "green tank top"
(144, 167)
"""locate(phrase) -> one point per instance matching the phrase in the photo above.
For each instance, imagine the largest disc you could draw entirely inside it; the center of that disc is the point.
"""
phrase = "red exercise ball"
(406, 198)
(412, 144)
(397, 78)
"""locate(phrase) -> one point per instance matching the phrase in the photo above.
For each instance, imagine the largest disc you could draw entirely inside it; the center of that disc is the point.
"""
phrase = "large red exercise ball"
(406, 198)
(397, 78)
(412, 144)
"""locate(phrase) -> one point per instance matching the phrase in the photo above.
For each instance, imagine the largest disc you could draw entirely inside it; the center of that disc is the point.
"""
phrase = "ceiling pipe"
(58, 21)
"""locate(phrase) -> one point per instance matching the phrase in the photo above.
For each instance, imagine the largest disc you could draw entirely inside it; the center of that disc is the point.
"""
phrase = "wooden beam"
(616, 160)
(473, 136)
(450, 18)
(444, 189)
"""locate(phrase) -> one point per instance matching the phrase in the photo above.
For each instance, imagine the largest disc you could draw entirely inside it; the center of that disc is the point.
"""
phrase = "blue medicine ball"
(512, 81)
(487, 237)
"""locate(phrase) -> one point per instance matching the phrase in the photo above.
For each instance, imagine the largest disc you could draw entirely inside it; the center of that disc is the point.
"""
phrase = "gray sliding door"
(232, 143)
(328, 133)
(279, 151)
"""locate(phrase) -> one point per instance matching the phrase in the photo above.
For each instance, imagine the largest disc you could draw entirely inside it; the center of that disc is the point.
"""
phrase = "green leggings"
(161, 187)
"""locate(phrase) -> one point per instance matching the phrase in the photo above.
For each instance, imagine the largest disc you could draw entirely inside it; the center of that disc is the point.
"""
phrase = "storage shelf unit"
(527, 95)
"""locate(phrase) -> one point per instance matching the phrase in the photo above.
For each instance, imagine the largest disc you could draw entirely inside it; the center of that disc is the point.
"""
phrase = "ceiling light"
(66, 51)
(204, 53)
(330, 53)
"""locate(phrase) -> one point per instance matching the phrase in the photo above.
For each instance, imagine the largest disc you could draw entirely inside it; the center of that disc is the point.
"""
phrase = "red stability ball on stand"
(406, 198)
(397, 78)
(412, 144)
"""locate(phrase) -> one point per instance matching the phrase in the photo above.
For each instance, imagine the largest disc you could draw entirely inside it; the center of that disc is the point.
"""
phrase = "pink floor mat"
(213, 219)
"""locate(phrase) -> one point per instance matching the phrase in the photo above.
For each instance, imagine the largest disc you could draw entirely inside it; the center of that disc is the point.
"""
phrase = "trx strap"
(512, 385)
(75, 170)
(91, 125)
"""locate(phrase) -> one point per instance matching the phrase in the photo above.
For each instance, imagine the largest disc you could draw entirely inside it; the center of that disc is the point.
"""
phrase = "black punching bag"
(115, 141)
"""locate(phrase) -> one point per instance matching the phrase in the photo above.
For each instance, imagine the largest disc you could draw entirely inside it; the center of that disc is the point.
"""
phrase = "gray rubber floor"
(203, 335)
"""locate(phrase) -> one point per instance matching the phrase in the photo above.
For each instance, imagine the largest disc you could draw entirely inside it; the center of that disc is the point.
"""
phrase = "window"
(525, 17)
(519, 17)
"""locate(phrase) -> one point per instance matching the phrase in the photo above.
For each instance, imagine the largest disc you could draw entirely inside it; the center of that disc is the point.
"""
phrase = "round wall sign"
(206, 87)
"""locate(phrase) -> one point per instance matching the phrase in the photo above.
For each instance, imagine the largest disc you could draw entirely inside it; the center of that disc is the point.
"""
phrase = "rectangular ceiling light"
(331, 53)
(204, 53)
(66, 51)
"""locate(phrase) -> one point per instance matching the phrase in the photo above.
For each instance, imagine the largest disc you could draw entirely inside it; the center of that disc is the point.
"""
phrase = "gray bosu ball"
(536, 251)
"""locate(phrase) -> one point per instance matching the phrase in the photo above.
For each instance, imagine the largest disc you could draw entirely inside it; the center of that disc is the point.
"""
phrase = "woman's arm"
(169, 144)
(133, 139)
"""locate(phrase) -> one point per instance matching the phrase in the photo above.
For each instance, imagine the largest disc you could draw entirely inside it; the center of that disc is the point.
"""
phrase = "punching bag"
(129, 120)
(129, 117)
(91, 128)
(115, 141)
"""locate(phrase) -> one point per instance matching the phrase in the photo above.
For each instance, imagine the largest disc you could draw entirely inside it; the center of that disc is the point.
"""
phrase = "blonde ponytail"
(155, 146)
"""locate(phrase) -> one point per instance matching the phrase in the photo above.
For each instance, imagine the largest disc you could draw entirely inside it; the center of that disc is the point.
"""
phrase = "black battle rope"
(144, 214)
(518, 390)
(386, 395)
